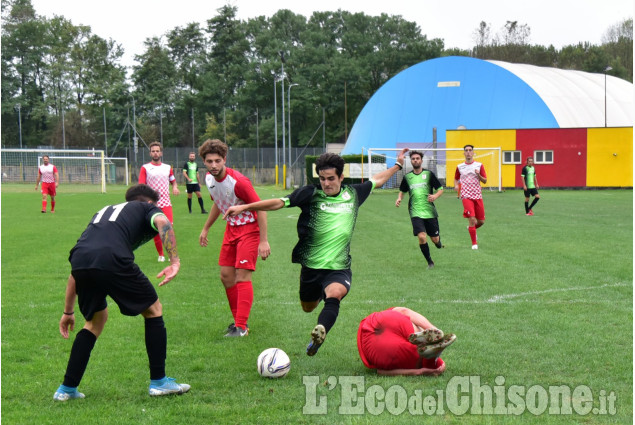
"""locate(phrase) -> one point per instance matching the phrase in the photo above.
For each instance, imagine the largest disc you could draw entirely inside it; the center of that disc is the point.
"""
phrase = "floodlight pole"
(284, 159)
(289, 107)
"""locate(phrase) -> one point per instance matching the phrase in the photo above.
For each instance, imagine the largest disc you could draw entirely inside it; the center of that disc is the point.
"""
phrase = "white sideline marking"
(505, 297)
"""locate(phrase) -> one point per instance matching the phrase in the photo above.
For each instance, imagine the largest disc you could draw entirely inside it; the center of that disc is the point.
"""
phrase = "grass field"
(546, 301)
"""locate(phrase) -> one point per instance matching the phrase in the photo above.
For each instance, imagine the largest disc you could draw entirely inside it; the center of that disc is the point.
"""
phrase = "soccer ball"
(273, 363)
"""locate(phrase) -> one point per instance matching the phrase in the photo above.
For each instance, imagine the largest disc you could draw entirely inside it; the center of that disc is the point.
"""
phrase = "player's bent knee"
(308, 307)
(155, 310)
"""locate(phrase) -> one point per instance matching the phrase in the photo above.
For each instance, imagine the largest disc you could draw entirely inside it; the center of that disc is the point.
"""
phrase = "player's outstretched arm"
(67, 322)
(166, 232)
(383, 176)
(266, 205)
(412, 372)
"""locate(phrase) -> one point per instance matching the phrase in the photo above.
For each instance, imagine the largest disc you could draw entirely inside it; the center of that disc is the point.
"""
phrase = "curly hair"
(213, 146)
(330, 160)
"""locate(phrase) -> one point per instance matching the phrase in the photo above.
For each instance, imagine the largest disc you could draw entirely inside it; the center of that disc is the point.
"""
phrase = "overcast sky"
(557, 22)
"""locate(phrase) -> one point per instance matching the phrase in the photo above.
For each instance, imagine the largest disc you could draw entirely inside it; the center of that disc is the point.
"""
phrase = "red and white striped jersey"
(234, 189)
(158, 177)
(467, 175)
(47, 172)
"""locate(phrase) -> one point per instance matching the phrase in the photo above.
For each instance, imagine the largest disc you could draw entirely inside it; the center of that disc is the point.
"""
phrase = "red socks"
(472, 231)
(158, 244)
(43, 205)
(244, 302)
(232, 297)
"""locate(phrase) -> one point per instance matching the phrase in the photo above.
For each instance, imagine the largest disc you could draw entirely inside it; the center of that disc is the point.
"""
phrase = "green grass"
(546, 300)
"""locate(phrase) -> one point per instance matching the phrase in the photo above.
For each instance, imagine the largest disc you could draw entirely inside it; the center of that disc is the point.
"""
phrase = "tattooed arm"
(166, 232)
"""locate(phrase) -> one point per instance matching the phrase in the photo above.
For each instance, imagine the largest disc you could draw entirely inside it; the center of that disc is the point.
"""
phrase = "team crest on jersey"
(346, 196)
(424, 176)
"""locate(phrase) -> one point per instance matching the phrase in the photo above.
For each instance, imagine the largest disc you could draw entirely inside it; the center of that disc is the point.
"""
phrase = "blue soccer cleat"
(167, 386)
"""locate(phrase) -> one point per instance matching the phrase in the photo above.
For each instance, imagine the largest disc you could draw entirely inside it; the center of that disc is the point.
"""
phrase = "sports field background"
(546, 300)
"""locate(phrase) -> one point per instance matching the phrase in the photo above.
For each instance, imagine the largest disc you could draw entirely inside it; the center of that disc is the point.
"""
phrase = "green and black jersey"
(419, 186)
(192, 171)
(326, 223)
(529, 176)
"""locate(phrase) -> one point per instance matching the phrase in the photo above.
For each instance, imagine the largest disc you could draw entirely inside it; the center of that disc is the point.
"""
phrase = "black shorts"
(532, 192)
(313, 282)
(192, 187)
(426, 225)
(130, 289)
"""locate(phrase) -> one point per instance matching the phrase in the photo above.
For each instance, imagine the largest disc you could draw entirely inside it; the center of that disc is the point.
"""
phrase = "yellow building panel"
(505, 139)
(610, 157)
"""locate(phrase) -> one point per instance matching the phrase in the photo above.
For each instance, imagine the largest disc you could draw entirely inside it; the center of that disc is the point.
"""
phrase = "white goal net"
(88, 169)
(441, 161)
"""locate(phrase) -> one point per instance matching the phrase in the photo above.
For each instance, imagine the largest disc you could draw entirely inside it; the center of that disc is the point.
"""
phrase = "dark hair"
(213, 146)
(416, 153)
(143, 193)
(472, 146)
(330, 160)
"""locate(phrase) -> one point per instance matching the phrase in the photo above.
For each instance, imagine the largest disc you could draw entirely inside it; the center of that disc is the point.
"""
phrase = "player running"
(470, 175)
(421, 184)
(325, 229)
(47, 172)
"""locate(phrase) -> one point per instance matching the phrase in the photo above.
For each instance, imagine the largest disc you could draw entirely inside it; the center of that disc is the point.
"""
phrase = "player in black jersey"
(102, 263)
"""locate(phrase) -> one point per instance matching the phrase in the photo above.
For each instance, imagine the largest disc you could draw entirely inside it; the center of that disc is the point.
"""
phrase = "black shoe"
(231, 327)
(439, 245)
(203, 212)
(430, 265)
(237, 331)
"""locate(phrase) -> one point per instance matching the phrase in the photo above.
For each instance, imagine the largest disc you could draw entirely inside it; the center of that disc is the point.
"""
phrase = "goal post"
(85, 168)
(441, 161)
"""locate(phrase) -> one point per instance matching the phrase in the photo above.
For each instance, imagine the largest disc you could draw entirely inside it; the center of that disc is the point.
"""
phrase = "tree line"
(62, 85)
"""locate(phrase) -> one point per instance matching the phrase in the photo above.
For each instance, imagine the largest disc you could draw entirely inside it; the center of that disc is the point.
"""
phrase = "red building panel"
(569, 155)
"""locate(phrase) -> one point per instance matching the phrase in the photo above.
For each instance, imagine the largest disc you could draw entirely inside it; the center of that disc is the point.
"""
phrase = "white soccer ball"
(273, 363)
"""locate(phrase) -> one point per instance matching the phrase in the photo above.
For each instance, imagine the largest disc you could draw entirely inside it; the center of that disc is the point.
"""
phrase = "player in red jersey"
(470, 175)
(47, 172)
(400, 341)
(159, 177)
(245, 234)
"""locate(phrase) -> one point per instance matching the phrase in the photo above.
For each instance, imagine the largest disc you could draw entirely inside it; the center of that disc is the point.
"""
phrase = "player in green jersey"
(190, 172)
(421, 184)
(530, 185)
(325, 229)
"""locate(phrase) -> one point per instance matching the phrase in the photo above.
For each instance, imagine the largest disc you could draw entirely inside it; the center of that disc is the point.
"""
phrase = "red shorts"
(382, 342)
(473, 208)
(240, 247)
(48, 189)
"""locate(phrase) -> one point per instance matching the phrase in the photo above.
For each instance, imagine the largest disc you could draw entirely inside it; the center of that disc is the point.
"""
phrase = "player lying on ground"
(400, 341)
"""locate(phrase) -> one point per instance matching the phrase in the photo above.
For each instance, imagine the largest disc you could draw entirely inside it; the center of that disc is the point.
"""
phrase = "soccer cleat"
(426, 336)
(231, 327)
(43, 212)
(237, 331)
(166, 386)
(475, 246)
(439, 245)
(318, 334)
(63, 394)
(530, 213)
(434, 350)
(161, 259)
(203, 212)
(430, 265)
